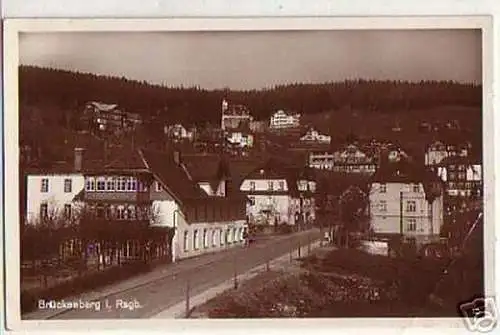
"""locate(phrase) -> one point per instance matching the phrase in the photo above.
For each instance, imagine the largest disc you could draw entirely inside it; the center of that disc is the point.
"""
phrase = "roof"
(460, 160)
(102, 106)
(408, 173)
(171, 175)
(337, 183)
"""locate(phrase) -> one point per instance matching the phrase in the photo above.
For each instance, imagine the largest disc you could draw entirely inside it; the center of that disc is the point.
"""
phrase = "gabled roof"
(460, 160)
(171, 175)
(102, 106)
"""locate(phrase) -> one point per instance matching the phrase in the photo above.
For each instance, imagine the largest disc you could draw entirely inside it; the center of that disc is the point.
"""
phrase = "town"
(124, 192)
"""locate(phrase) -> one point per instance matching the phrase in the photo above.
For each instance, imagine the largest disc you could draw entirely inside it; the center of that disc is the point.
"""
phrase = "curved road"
(160, 293)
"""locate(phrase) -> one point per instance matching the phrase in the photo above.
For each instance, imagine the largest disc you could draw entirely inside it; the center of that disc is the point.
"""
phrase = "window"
(228, 235)
(281, 185)
(186, 240)
(269, 185)
(67, 211)
(411, 206)
(110, 184)
(101, 184)
(158, 186)
(222, 238)
(412, 225)
(131, 184)
(90, 184)
(121, 184)
(252, 201)
(252, 186)
(44, 211)
(195, 239)
(45, 185)
(205, 238)
(383, 188)
(120, 213)
(383, 206)
(214, 238)
(67, 185)
(416, 188)
(461, 175)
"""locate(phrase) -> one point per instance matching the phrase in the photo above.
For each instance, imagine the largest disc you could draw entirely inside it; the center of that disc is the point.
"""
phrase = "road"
(164, 291)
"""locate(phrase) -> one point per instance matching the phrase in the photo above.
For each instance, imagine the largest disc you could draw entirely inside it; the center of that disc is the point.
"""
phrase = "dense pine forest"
(68, 91)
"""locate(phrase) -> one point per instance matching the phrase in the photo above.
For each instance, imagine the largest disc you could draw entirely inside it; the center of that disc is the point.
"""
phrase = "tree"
(353, 204)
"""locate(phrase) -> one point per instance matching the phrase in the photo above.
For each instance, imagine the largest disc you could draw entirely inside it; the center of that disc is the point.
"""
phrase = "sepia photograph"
(250, 173)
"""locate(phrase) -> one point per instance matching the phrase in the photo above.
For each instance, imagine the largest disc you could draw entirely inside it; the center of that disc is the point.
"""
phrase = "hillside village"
(201, 187)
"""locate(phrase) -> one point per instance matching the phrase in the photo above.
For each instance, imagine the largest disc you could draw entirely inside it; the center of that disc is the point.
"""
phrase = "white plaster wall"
(56, 198)
(263, 184)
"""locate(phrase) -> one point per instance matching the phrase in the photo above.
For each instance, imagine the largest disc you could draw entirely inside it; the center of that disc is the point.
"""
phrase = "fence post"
(298, 250)
(235, 273)
(188, 288)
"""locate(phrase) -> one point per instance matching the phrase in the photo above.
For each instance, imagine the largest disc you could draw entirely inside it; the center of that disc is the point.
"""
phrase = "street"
(169, 288)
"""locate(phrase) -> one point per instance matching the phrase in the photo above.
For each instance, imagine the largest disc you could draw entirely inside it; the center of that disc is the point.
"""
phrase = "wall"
(185, 248)
(428, 218)
(56, 198)
(262, 184)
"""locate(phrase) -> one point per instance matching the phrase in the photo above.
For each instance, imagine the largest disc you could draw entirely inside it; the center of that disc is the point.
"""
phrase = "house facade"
(406, 203)
(437, 151)
(321, 160)
(179, 132)
(282, 120)
(277, 195)
(234, 116)
(461, 175)
(109, 117)
(351, 159)
(144, 187)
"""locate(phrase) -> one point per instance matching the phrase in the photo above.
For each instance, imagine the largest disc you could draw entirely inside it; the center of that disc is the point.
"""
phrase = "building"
(314, 136)
(234, 116)
(258, 126)
(144, 187)
(437, 151)
(50, 192)
(279, 195)
(179, 132)
(406, 201)
(321, 160)
(350, 159)
(103, 117)
(282, 120)
(461, 175)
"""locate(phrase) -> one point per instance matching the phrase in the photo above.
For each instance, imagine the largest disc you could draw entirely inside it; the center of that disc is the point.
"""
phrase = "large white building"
(321, 160)
(282, 120)
(155, 188)
(279, 195)
(406, 202)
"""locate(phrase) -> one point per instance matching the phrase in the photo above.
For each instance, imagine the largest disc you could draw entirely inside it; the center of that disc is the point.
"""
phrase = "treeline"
(70, 90)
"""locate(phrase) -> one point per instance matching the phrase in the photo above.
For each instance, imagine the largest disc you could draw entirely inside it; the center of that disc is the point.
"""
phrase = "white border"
(12, 29)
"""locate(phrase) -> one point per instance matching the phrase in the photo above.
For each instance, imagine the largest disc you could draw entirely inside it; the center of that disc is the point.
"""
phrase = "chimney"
(177, 157)
(78, 159)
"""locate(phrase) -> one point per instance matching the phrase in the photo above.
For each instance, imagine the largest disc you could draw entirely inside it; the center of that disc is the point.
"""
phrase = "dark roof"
(336, 183)
(460, 160)
(172, 175)
(408, 173)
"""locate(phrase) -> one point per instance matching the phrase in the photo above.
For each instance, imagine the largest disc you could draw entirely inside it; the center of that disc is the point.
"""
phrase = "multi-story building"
(279, 195)
(234, 116)
(437, 151)
(109, 117)
(314, 136)
(321, 160)
(352, 160)
(282, 120)
(179, 132)
(145, 187)
(462, 176)
(406, 201)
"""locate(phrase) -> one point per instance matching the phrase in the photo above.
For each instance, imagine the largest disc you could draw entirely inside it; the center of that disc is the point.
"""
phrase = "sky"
(255, 60)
